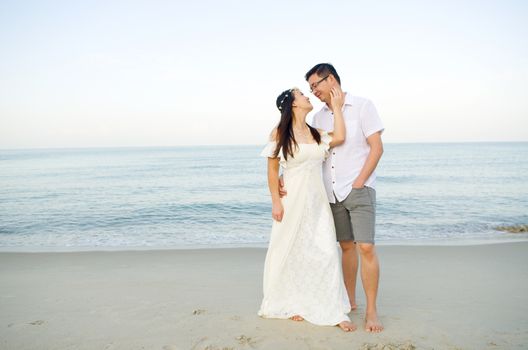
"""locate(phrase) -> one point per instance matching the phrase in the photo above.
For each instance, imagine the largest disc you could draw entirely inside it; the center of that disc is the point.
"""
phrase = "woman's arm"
(339, 133)
(277, 210)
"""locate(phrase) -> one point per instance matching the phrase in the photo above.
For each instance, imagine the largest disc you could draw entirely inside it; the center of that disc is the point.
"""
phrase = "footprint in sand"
(243, 340)
(36, 323)
(170, 347)
(389, 346)
(198, 312)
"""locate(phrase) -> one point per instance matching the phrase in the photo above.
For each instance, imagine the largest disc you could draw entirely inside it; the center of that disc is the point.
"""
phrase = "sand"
(431, 297)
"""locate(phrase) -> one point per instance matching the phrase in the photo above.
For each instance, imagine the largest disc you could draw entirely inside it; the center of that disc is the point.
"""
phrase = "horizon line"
(234, 145)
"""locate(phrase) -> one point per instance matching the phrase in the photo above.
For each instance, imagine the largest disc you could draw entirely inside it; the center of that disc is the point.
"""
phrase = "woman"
(302, 273)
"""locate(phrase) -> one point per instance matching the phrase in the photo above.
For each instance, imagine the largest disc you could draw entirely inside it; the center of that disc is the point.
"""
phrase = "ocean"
(217, 196)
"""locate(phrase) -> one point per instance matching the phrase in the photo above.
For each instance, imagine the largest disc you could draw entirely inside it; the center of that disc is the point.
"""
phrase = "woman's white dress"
(302, 272)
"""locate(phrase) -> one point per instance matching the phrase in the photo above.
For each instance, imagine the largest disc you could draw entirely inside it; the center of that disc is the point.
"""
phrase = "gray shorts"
(355, 217)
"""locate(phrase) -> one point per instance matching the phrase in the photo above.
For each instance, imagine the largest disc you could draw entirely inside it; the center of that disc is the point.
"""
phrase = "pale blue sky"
(163, 73)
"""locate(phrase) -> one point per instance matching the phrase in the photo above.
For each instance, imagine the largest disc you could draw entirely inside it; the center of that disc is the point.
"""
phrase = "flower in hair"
(284, 98)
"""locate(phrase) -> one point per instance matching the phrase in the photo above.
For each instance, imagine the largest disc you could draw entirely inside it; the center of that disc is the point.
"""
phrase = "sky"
(168, 73)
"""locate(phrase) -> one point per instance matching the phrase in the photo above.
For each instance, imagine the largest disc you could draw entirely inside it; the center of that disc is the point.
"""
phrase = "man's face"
(320, 86)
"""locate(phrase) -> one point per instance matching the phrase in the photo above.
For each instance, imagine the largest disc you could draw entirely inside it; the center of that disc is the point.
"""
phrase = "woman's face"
(301, 101)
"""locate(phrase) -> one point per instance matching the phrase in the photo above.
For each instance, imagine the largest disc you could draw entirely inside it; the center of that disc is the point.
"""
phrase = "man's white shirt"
(345, 161)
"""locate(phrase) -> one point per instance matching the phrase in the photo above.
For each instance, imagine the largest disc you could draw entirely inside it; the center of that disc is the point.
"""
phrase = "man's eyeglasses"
(316, 84)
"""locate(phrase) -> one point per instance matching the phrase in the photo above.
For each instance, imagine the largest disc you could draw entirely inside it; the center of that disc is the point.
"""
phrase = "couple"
(303, 278)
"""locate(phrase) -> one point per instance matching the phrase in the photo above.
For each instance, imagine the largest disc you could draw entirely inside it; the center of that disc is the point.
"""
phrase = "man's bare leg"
(370, 279)
(350, 269)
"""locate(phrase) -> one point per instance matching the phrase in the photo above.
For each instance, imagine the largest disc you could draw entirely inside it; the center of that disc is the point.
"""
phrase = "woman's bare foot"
(347, 326)
(297, 318)
(372, 323)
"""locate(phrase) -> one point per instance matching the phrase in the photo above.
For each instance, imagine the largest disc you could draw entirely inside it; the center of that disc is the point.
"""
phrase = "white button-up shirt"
(345, 161)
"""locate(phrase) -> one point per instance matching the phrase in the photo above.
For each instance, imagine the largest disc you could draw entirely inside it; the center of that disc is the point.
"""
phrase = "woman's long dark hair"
(285, 137)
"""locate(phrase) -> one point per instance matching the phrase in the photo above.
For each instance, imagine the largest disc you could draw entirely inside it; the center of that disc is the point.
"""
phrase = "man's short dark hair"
(323, 69)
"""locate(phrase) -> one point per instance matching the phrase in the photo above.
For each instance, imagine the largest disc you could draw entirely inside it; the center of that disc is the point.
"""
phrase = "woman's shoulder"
(269, 149)
(273, 135)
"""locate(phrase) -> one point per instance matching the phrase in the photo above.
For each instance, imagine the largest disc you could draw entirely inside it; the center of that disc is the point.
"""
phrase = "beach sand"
(431, 297)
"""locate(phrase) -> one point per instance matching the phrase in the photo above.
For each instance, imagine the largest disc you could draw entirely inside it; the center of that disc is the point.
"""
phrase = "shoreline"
(430, 297)
(403, 243)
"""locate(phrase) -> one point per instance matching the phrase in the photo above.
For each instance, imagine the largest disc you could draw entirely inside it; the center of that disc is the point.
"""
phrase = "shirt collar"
(348, 101)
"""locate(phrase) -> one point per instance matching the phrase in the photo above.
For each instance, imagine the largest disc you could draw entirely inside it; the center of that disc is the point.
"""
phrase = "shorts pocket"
(358, 197)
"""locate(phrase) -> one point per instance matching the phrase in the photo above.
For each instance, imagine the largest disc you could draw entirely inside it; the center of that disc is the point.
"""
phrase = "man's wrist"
(358, 184)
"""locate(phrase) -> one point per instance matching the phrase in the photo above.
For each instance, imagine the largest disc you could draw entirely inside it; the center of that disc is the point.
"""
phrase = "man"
(350, 178)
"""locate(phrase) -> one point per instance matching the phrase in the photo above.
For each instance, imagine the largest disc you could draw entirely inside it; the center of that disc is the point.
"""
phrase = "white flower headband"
(285, 97)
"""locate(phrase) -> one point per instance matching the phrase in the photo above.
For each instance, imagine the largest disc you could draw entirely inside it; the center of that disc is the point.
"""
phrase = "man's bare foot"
(297, 318)
(347, 326)
(372, 323)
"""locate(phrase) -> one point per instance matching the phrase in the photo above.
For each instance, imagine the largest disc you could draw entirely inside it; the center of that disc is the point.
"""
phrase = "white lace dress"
(302, 272)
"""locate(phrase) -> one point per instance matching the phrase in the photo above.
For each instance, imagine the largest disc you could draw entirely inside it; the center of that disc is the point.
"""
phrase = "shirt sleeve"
(269, 150)
(370, 120)
(315, 122)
